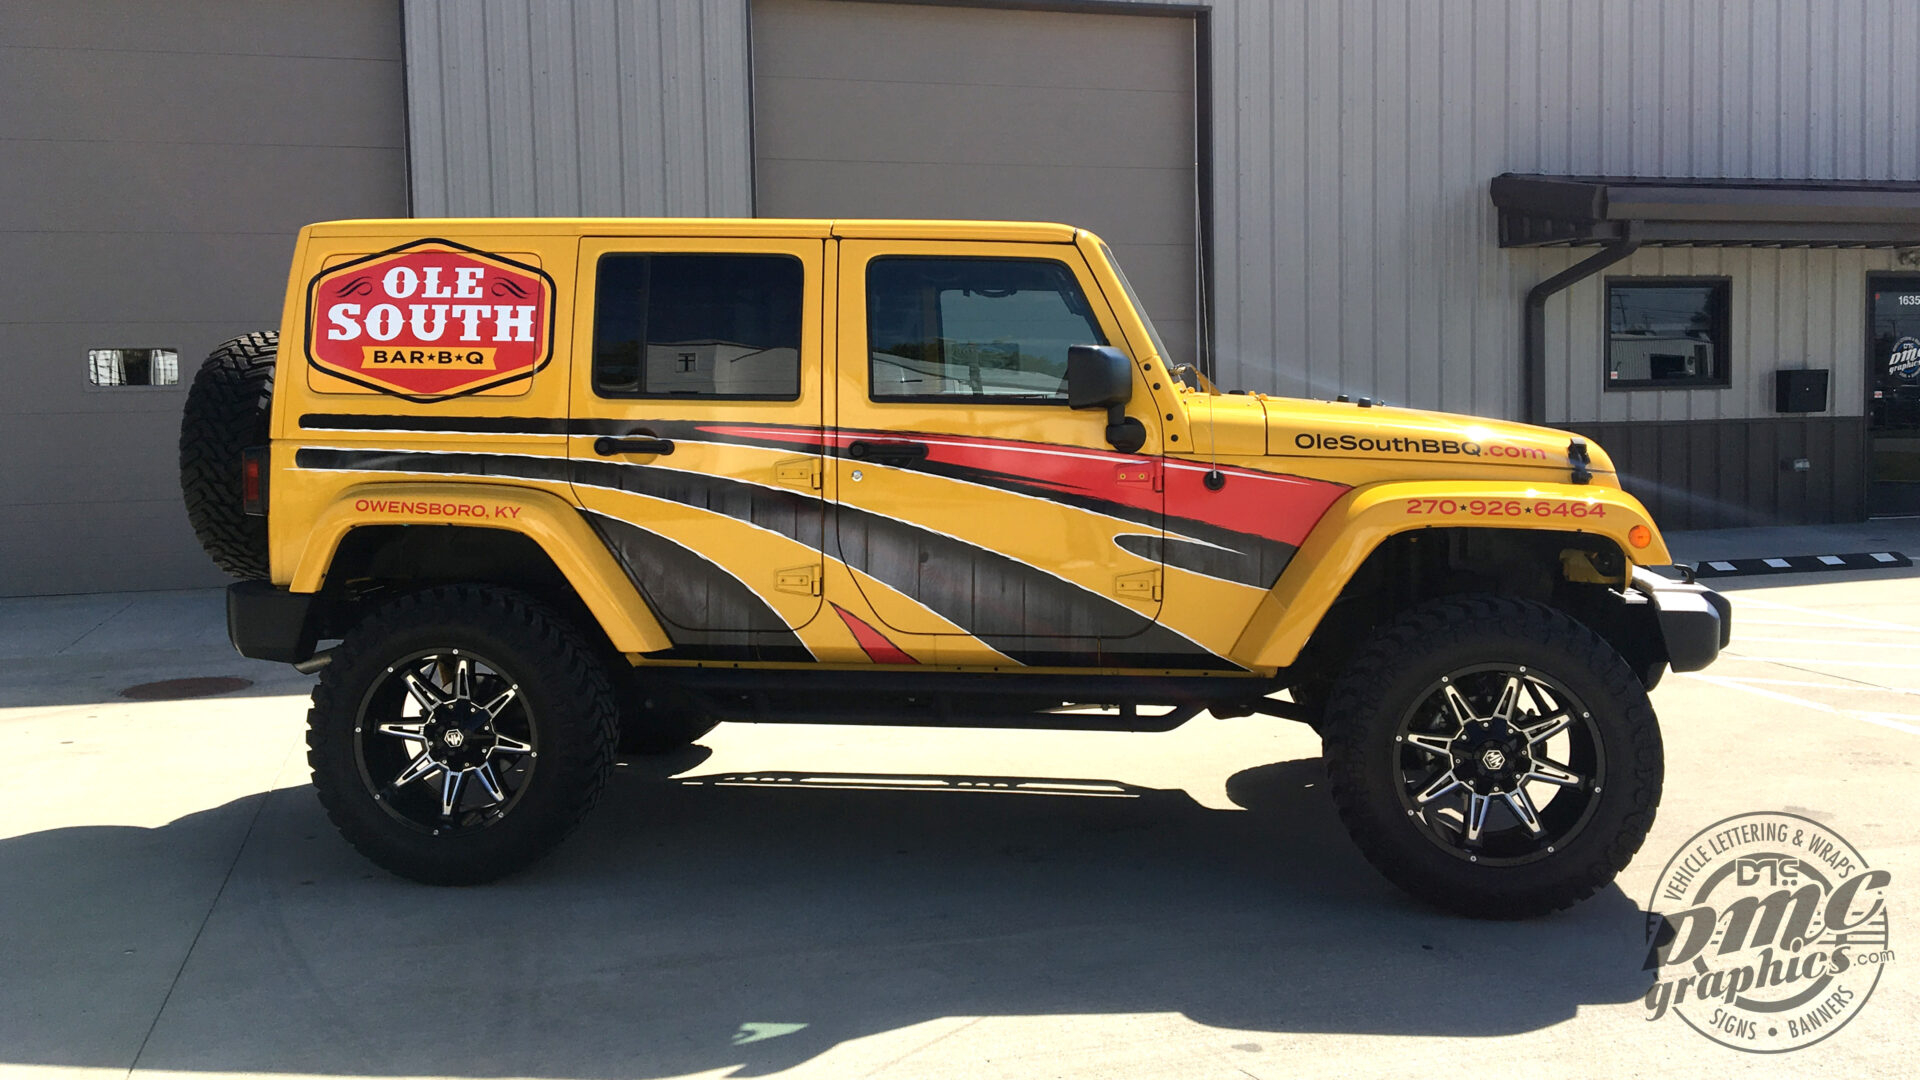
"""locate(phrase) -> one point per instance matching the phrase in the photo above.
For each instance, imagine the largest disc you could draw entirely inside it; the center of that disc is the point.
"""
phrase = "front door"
(695, 432)
(972, 502)
(1893, 408)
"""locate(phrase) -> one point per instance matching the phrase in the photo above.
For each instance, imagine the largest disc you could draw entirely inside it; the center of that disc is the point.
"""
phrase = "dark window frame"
(1720, 334)
(593, 360)
(1048, 401)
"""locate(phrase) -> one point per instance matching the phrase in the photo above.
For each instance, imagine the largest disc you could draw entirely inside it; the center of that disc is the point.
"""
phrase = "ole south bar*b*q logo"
(429, 320)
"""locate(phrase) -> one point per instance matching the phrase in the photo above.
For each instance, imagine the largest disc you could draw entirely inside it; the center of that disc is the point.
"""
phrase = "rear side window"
(709, 326)
(985, 330)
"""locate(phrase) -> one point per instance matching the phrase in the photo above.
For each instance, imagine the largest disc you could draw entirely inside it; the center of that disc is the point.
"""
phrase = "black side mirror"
(1101, 377)
(1098, 377)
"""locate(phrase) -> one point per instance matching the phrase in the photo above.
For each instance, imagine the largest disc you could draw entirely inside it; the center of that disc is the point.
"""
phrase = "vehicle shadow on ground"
(754, 920)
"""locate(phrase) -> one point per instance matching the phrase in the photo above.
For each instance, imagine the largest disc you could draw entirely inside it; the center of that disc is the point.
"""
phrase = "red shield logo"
(429, 320)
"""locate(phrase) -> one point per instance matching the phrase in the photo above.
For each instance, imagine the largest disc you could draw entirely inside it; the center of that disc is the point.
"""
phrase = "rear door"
(695, 432)
(972, 501)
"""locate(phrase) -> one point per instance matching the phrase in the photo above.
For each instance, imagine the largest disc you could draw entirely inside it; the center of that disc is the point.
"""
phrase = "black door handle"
(887, 453)
(608, 446)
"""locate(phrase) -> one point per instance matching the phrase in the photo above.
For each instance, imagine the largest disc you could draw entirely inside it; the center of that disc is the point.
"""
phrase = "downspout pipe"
(1533, 375)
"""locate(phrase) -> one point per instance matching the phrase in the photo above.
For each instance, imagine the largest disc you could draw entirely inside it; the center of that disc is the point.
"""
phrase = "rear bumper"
(266, 622)
(1695, 622)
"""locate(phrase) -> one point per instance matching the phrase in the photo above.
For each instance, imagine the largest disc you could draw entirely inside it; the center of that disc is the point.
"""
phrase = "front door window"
(984, 329)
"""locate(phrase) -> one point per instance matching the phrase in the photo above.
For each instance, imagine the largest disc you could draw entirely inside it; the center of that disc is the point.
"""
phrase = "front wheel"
(1493, 756)
(460, 733)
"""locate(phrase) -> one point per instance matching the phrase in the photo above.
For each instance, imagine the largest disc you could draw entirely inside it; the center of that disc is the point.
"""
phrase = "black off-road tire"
(564, 686)
(1387, 677)
(226, 412)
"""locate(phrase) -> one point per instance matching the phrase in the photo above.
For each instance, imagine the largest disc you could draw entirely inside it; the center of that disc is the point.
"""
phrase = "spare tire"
(227, 412)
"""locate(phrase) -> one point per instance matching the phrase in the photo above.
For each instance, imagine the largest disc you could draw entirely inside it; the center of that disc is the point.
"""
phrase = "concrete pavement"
(834, 902)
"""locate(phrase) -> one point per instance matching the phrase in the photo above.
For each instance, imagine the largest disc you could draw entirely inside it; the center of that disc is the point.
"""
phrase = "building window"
(705, 326)
(988, 330)
(1667, 332)
(133, 367)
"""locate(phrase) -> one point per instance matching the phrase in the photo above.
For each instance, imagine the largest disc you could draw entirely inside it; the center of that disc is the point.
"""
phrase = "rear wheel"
(1493, 756)
(460, 733)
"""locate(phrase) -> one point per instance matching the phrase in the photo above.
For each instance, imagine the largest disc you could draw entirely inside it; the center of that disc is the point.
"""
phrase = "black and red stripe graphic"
(1259, 517)
(1254, 507)
(1245, 533)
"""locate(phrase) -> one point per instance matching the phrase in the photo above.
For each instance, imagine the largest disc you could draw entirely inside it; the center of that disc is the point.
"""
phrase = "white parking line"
(1885, 720)
(1731, 684)
(1867, 687)
(1888, 720)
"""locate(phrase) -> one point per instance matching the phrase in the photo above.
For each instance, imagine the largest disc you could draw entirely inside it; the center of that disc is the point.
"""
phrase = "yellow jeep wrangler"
(533, 492)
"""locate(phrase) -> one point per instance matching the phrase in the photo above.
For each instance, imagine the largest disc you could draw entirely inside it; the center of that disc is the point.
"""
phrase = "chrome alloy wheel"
(1499, 764)
(445, 742)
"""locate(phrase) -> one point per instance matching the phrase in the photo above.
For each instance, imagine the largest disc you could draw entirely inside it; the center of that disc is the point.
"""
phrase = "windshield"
(1153, 335)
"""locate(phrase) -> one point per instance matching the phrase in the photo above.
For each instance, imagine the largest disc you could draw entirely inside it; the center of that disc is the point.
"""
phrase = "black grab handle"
(887, 453)
(608, 446)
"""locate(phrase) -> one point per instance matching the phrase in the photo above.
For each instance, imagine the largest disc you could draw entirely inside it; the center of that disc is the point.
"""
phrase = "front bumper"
(1695, 622)
(266, 622)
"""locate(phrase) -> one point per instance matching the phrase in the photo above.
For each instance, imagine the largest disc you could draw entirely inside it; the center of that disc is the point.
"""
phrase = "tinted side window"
(715, 326)
(1667, 333)
(993, 329)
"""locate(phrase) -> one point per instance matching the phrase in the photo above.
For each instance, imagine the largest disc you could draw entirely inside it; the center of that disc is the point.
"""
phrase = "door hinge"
(802, 472)
(1141, 585)
(800, 580)
(1139, 472)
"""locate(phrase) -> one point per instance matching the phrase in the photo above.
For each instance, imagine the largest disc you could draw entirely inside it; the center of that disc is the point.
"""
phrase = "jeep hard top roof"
(822, 228)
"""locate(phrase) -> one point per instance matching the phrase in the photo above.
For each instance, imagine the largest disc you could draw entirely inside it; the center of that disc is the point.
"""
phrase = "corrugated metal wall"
(1353, 142)
(570, 108)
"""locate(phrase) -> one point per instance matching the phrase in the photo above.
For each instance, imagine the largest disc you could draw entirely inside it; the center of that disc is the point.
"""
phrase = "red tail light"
(253, 480)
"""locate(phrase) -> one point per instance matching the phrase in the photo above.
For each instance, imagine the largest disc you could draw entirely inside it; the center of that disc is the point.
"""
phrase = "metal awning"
(1541, 211)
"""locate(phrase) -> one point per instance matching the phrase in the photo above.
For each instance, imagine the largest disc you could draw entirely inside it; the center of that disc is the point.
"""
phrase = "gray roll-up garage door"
(920, 111)
(155, 163)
